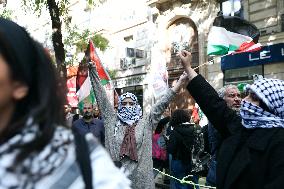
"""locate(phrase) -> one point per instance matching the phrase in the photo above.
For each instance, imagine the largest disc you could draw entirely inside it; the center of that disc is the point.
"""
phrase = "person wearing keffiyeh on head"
(36, 150)
(129, 111)
(264, 105)
(252, 146)
(128, 134)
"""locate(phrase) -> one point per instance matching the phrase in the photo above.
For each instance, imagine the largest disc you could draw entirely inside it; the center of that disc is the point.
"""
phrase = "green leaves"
(100, 42)
(7, 14)
(74, 39)
(112, 73)
(81, 39)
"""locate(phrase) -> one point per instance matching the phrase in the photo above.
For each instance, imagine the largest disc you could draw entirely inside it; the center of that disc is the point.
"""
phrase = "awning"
(267, 55)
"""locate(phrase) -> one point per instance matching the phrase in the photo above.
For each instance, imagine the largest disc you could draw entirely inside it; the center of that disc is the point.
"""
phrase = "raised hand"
(186, 59)
(182, 80)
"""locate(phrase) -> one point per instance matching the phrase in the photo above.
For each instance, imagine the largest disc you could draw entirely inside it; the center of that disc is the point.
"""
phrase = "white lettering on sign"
(252, 59)
(132, 81)
(282, 51)
(264, 55)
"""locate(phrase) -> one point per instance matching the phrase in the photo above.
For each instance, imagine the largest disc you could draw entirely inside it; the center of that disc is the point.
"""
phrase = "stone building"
(184, 25)
(269, 18)
(145, 35)
(172, 25)
(148, 44)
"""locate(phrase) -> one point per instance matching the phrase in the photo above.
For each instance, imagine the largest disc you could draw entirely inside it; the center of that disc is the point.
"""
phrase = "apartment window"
(282, 22)
(242, 75)
(232, 8)
(130, 52)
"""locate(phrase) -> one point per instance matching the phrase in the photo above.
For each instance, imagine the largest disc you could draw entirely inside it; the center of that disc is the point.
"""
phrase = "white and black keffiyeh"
(37, 165)
(129, 114)
(271, 93)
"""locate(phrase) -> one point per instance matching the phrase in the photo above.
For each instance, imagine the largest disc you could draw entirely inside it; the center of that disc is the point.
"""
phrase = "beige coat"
(141, 172)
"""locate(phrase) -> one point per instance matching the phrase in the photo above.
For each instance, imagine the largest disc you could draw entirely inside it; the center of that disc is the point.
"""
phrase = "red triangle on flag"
(96, 60)
(248, 46)
(82, 75)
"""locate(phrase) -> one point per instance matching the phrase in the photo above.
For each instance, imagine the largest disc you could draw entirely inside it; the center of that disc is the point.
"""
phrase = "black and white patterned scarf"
(38, 164)
(129, 114)
(271, 93)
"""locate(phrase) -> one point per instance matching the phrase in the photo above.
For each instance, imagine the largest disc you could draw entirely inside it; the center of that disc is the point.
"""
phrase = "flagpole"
(210, 62)
(206, 63)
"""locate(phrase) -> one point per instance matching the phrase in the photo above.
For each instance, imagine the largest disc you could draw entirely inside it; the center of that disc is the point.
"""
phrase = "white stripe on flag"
(221, 36)
(85, 89)
(255, 47)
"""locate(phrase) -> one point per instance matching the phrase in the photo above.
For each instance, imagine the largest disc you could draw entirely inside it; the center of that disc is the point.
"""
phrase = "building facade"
(172, 25)
(268, 17)
(182, 25)
(145, 44)
(145, 36)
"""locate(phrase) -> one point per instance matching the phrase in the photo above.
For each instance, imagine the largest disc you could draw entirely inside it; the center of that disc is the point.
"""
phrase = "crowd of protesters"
(252, 144)
(128, 133)
(36, 150)
(242, 147)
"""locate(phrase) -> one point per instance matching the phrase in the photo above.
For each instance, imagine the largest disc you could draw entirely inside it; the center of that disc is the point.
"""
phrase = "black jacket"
(247, 158)
(181, 142)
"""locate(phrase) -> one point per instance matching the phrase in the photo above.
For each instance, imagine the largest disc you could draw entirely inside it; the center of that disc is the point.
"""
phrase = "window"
(130, 52)
(139, 53)
(282, 22)
(242, 75)
(232, 8)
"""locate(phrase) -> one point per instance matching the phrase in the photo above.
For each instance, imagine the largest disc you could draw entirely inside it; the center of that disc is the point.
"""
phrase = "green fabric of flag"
(84, 89)
(229, 33)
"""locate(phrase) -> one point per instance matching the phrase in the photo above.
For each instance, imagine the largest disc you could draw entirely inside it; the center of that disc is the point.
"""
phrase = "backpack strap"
(83, 158)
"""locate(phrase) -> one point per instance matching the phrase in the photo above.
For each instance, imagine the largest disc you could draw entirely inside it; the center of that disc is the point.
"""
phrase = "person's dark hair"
(30, 65)
(161, 125)
(180, 116)
(264, 106)
(75, 117)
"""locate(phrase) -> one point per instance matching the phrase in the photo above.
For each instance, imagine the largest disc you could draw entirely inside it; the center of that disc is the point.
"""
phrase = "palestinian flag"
(230, 33)
(94, 58)
(249, 47)
(84, 89)
(83, 86)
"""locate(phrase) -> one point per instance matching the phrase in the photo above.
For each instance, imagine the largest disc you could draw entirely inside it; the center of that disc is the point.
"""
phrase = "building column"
(203, 70)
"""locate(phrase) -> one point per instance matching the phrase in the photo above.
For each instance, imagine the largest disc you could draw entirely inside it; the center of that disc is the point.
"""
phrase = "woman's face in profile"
(10, 90)
(6, 89)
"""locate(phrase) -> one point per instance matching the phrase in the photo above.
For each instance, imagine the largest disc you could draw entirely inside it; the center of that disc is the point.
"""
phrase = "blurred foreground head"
(264, 105)
(28, 87)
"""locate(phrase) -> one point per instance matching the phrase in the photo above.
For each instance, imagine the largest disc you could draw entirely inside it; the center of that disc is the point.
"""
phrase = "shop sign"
(129, 81)
(267, 55)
